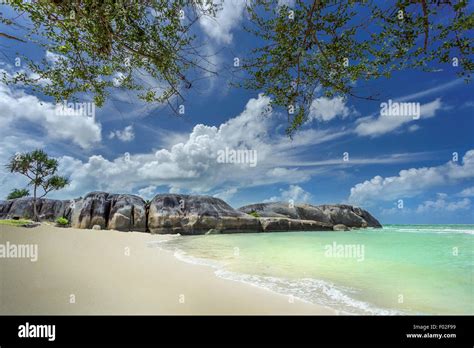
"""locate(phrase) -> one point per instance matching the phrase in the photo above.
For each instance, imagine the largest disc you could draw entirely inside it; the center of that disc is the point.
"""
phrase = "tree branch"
(11, 37)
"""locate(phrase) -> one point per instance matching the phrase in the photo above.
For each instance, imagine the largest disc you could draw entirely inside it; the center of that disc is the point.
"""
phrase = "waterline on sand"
(312, 291)
(400, 269)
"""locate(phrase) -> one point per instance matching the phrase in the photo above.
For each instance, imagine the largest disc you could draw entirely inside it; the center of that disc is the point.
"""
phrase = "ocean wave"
(308, 290)
(432, 230)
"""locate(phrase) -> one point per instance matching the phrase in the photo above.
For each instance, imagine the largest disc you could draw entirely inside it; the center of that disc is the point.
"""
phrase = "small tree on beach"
(41, 170)
(18, 193)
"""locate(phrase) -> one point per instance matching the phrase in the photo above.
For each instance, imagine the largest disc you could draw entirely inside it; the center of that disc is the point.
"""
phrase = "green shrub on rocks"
(254, 214)
(62, 221)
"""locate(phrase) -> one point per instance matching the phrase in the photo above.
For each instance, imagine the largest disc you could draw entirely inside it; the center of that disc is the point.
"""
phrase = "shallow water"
(400, 269)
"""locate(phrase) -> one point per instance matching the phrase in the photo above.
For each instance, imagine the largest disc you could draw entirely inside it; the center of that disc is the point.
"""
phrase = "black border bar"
(248, 330)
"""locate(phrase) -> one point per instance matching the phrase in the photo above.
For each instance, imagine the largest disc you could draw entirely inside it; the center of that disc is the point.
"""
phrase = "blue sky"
(401, 169)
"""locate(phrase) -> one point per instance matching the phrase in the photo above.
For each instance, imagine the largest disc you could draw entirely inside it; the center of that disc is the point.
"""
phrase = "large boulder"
(127, 213)
(328, 215)
(285, 210)
(22, 208)
(371, 221)
(186, 214)
(5, 208)
(120, 212)
(51, 209)
(350, 216)
(344, 215)
(92, 210)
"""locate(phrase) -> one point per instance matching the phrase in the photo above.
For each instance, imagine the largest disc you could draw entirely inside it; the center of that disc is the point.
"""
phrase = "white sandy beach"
(94, 267)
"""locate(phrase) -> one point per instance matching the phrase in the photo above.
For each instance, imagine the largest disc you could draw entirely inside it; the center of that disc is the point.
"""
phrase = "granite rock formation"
(185, 214)
(325, 215)
(188, 214)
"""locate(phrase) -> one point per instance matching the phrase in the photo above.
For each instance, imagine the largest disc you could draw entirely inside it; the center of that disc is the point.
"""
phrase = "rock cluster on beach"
(188, 214)
(185, 214)
(325, 216)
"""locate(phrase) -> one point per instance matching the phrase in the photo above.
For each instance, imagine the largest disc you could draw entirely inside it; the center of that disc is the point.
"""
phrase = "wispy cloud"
(430, 91)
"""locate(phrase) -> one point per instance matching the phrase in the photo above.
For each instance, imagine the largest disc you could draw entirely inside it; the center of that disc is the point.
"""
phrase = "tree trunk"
(35, 212)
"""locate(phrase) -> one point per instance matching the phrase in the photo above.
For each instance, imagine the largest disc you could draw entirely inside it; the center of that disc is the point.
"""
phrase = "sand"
(111, 272)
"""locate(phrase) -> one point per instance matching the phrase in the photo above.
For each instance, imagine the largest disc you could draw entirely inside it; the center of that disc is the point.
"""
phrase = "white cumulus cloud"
(227, 18)
(411, 182)
(467, 192)
(127, 134)
(19, 107)
(326, 109)
(191, 165)
(294, 193)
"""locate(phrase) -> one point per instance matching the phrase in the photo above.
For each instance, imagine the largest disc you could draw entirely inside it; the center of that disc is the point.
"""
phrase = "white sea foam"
(310, 290)
(162, 239)
(181, 255)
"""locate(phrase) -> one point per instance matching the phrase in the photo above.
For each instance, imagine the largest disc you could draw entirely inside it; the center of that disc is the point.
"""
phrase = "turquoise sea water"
(400, 269)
